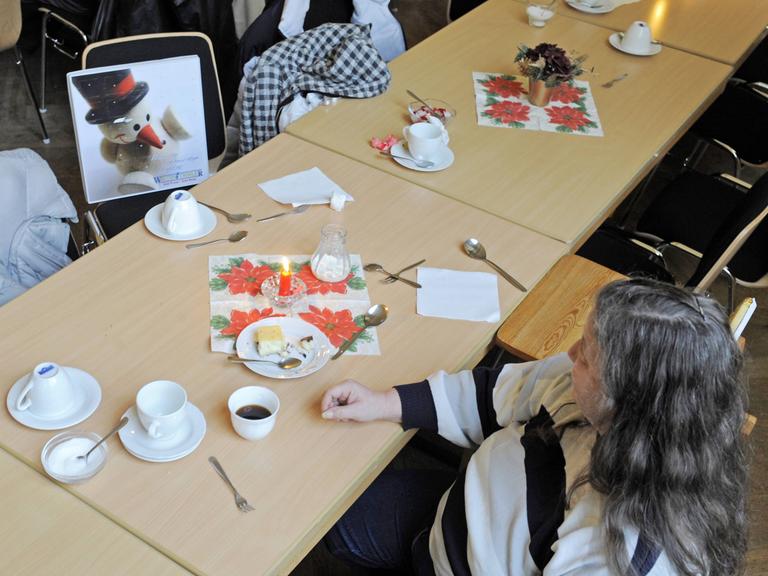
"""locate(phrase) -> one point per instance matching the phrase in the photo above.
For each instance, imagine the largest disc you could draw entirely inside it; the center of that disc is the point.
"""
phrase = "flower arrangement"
(549, 63)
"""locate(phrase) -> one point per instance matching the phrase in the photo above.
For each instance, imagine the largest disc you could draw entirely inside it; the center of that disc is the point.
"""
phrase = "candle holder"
(271, 286)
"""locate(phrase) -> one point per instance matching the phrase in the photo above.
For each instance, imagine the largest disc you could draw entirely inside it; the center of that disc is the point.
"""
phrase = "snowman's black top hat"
(110, 94)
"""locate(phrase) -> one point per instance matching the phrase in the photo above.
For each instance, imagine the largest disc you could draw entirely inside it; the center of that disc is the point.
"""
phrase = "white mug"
(426, 140)
(637, 38)
(48, 391)
(253, 401)
(181, 214)
(160, 406)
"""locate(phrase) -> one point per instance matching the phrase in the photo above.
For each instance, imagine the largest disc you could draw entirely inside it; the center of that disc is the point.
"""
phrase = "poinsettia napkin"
(502, 102)
(307, 187)
(335, 308)
(458, 295)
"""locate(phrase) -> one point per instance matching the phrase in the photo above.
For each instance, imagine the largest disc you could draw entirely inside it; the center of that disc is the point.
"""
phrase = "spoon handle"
(246, 360)
(507, 277)
(404, 280)
(227, 214)
(123, 422)
(204, 243)
(272, 217)
(429, 108)
(345, 346)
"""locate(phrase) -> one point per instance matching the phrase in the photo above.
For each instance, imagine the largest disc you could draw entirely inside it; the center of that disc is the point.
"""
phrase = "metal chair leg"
(43, 34)
(31, 92)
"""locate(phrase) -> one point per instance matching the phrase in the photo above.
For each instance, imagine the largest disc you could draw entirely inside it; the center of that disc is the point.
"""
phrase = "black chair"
(737, 122)
(111, 217)
(69, 26)
(717, 222)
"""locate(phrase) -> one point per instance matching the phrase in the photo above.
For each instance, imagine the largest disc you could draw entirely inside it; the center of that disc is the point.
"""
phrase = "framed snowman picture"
(139, 127)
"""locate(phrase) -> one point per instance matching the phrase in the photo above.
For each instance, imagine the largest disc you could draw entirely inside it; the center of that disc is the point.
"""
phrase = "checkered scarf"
(332, 59)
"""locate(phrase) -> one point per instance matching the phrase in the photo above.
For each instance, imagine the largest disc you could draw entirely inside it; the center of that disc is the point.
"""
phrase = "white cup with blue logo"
(181, 214)
(48, 392)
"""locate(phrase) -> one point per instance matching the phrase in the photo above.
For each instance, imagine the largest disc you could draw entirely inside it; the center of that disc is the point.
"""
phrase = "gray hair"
(672, 464)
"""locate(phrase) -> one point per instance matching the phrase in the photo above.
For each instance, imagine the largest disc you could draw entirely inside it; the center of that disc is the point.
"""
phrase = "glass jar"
(330, 262)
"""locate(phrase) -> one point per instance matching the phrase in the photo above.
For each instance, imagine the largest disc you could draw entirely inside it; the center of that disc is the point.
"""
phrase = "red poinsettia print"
(503, 86)
(246, 278)
(566, 94)
(571, 118)
(239, 319)
(338, 326)
(315, 286)
(508, 112)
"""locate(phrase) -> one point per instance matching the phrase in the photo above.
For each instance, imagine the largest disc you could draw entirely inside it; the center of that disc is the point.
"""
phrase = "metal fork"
(241, 502)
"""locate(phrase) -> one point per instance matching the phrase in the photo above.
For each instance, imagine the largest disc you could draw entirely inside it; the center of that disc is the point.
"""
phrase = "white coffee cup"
(244, 400)
(637, 38)
(426, 140)
(161, 407)
(48, 392)
(181, 214)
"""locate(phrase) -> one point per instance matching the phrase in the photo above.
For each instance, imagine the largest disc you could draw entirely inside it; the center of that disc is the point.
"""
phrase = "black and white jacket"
(506, 513)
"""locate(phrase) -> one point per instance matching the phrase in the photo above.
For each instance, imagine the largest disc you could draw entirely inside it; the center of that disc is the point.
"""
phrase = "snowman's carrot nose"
(148, 136)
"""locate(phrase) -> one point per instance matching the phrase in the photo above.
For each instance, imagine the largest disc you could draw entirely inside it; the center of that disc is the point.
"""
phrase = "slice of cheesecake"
(269, 340)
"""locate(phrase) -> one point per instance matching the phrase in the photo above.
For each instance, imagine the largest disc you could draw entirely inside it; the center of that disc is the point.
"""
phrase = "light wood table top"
(46, 530)
(722, 31)
(137, 310)
(552, 316)
(561, 185)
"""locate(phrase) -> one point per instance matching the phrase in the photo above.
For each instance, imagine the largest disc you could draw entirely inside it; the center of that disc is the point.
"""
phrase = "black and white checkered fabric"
(332, 59)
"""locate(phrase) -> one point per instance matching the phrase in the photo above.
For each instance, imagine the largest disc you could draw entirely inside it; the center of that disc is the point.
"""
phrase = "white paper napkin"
(458, 295)
(307, 187)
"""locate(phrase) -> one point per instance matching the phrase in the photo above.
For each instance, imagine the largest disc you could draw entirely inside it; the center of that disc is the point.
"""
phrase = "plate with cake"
(277, 338)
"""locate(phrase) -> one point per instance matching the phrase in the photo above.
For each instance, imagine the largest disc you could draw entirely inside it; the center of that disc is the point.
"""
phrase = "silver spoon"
(428, 107)
(285, 363)
(123, 422)
(297, 210)
(418, 163)
(376, 315)
(475, 250)
(234, 237)
(373, 267)
(233, 218)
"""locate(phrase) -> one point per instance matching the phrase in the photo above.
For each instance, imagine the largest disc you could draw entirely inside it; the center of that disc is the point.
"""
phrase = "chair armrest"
(94, 231)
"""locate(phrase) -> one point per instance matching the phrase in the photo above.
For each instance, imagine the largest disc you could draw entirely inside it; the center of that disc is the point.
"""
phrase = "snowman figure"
(137, 145)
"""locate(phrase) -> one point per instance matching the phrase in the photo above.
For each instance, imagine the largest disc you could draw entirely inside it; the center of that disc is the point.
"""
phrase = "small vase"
(539, 93)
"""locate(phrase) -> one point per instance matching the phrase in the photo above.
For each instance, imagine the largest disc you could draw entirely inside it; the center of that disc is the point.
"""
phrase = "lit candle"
(285, 279)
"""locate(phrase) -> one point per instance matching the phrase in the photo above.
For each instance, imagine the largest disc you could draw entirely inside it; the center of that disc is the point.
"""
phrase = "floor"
(19, 128)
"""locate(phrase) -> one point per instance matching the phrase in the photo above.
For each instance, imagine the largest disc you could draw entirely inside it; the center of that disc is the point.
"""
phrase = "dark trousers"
(388, 526)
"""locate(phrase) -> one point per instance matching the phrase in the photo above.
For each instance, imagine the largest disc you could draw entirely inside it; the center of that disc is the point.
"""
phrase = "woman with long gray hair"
(623, 457)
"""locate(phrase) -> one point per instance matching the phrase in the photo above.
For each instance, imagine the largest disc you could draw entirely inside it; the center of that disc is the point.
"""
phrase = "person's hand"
(350, 400)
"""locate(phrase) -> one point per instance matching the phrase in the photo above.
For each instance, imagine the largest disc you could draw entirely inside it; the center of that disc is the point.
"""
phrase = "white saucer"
(602, 8)
(87, 398)
(188, 437)
(294, 330)
(154, 224)
(615, 41)
(441, 164)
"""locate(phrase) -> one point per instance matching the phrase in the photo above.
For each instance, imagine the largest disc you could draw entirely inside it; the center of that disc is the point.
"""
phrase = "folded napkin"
(458, 295)
(307, 187)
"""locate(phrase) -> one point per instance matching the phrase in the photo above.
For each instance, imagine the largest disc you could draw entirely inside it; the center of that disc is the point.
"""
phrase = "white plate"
(441, 164)
(188, 437)
(602, 8)
(87, 398)
(154, 224)
(294, 330)
(615, 41)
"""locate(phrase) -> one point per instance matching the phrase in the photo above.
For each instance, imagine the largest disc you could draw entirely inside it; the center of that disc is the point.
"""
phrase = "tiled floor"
(19, 128)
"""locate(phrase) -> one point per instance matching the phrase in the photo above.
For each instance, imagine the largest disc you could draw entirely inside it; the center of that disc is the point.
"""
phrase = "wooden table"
(46, 530)
(558, 184)
(553, 315)
(725, 31)
(137, 310)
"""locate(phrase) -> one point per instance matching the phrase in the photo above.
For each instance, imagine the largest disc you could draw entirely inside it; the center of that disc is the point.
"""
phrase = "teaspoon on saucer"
(419, 163)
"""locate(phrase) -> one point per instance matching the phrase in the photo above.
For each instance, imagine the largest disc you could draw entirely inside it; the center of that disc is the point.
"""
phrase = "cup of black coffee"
(253, 410)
